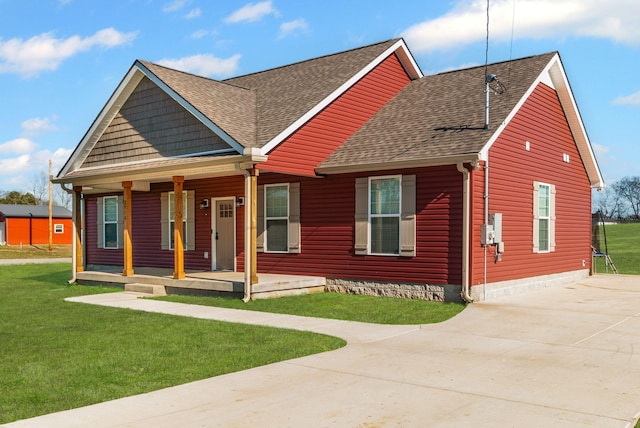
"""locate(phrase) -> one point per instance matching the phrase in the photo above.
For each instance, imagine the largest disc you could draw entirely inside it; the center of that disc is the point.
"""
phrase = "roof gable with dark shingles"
(439, 116)
(285, 94)
(230, 107)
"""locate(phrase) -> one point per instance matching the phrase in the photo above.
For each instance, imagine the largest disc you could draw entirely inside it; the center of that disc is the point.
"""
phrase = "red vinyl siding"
(146, 233)
(513, 169)
(35, 231)
(327, 229)
(325, 132)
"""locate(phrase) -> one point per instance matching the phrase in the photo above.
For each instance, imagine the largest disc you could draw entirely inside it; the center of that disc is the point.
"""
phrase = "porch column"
(77, 229)
(178, 241)
(128, 247)
(253, 173)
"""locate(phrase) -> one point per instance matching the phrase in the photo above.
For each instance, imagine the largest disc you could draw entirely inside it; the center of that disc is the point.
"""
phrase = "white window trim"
(398, 215)
(185, 224)
(105, 222)
(547, 218)
(58, 228)
(267, 218)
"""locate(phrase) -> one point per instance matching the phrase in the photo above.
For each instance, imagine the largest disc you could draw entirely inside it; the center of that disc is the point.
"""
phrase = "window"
(167, 220)
(279, 218)
(385, 215)
(172, 222)
(110, 224)
(58, 228)
(110, 221)
(543, 217)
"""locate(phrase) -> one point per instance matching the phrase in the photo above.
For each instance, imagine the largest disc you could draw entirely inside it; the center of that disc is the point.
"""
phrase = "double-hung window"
(172, 221)
(277, 217)
(110, 221)
(384, 215)
(543, 217)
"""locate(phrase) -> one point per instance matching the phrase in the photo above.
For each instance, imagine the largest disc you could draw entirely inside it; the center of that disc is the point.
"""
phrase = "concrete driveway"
(561, 357)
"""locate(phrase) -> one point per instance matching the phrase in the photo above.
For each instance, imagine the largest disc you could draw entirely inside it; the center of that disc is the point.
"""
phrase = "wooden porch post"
(178, 241)
(254, 225)
(128, 247)
(77, 223)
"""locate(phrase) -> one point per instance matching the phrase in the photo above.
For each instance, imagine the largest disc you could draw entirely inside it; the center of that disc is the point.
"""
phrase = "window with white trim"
(384, 215)
(276, 217)
(172, 220)
(110, 222)
(58, 228)
(385, 220)
(543, 217)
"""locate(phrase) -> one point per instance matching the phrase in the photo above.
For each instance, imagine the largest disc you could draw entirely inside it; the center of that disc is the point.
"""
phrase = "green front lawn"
(56, 355)
(380, 310)
(624, 249)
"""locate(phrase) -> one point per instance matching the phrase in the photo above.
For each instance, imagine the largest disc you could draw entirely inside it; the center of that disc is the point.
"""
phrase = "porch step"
(153, 289)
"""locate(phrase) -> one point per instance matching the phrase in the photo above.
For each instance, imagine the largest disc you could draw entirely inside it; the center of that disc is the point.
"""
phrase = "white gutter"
(466, 209)
(247, 236)
(74, 232)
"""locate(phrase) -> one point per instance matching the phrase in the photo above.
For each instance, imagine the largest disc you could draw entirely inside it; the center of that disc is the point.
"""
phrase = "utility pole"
(50, 210)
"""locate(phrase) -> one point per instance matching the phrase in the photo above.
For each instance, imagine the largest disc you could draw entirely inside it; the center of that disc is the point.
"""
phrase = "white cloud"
(44, 52)
(251, 12)
(204, 65)
(17, 165)
(18, 146)
(617, 20)
(199, 34)
(193, 13)
(174, 6)
(292, 27)
(633, 99)
(38, 125)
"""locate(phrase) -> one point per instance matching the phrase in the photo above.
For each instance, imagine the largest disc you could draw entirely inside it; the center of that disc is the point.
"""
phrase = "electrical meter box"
(487, 235)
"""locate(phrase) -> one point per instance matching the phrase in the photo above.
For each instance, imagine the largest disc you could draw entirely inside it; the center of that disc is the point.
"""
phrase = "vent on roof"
(492, 85)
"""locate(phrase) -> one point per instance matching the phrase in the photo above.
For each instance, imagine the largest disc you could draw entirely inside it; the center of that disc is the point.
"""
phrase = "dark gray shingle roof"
(439, 115)
(38, 211)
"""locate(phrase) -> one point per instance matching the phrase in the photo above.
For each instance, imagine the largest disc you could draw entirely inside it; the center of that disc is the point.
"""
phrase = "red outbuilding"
(29, 225)
(353, 167)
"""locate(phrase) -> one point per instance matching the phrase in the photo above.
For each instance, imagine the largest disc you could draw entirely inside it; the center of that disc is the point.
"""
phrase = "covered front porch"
(158, 281)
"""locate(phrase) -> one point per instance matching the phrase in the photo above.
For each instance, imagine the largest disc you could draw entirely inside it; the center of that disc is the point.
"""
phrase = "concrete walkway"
(561, 357)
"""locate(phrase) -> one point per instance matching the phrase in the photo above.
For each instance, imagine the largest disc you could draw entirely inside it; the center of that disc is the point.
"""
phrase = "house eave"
(143, 174)
(404, 164)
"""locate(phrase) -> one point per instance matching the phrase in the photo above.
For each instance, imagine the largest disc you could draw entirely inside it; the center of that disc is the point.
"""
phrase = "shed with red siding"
(29, 225)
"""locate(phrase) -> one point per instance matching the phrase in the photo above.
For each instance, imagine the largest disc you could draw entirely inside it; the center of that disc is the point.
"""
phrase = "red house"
(29, 225)
(352, 167)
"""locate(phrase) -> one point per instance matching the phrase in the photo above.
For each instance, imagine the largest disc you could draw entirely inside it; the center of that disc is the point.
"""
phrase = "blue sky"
(60, 60)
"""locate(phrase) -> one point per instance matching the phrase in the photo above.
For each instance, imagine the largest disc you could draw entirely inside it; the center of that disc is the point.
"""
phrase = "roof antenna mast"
(489, 79)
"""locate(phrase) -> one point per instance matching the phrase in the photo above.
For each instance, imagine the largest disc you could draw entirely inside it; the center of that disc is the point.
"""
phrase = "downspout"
(247, 236)
(466, 210)
(486, 219)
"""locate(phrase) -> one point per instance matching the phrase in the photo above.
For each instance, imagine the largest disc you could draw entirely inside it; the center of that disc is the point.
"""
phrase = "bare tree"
(40, 187)
(608, 203)
(628, 189)
(61, 197)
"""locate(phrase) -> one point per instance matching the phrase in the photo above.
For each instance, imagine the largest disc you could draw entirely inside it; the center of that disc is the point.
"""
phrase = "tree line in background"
(38, 194)
(620, 201)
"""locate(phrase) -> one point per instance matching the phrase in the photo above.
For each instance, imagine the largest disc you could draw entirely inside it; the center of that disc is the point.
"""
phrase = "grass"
(622, 241)
(34, 251)
(380, 310)
(57, 355)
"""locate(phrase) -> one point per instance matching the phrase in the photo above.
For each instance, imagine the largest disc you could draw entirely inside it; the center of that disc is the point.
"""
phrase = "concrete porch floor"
(161, 281)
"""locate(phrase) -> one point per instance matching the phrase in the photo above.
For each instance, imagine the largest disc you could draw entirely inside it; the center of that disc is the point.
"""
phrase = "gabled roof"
(252, 113)
(439, 119)
(36, 211)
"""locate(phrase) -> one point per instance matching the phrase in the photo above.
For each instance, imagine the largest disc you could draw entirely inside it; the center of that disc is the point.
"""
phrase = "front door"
(224, 236)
